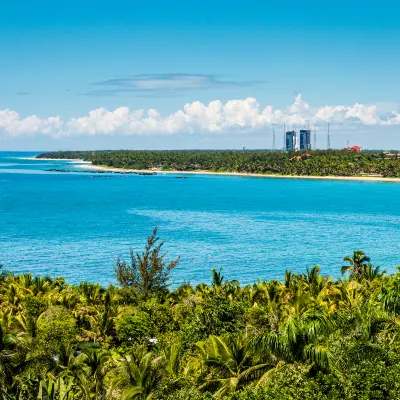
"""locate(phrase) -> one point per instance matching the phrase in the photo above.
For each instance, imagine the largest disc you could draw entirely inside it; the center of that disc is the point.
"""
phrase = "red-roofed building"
(356, 149)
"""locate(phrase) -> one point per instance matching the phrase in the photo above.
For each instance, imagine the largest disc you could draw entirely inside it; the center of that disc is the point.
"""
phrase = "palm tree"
(301, 338)
(217, 278)
(66, 360)
(94, 362)
(139, 375)
(27, 323)
(91, 293)
(370, 273)
(314, 281)
(102, 322)
(13, 350)
(231, 363)
(390, 295)
(356, 263)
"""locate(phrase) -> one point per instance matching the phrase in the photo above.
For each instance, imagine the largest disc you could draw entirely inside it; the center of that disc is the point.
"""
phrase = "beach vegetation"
(317, 163)
(307, 336)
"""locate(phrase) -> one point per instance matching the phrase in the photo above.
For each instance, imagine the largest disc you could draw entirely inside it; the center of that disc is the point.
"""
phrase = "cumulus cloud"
(11, 124)
(244, 116)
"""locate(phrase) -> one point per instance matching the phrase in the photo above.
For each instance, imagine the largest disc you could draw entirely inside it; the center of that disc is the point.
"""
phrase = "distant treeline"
(312, 163)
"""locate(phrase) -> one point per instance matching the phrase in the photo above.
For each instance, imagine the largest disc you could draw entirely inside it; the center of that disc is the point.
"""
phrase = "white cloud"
(11, 124)
(216, 117)
(163, 84)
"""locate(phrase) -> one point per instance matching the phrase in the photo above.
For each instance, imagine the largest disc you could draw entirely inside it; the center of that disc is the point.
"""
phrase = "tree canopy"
(313, 162)
(308, 336)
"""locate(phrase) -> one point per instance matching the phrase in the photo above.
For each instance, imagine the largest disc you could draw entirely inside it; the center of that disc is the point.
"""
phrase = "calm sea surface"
(75, 224)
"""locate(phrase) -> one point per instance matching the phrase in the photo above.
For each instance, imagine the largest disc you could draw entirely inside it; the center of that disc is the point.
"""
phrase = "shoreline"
(77, 160)
(244, 174)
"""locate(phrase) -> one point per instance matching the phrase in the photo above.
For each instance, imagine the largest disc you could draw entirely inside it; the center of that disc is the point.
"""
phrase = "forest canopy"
(308, 336)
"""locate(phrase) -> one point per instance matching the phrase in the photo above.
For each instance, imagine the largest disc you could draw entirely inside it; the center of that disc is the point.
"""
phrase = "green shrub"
(134, 327)
(34, 305)
(56, 328)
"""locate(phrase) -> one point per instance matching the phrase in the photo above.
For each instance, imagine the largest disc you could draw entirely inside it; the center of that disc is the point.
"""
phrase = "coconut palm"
(217, 278)
(231, 363)
(356, 263)
(94, 364)
(371, 273)
(139, 375)
(301, 338)
(390, 295)
(91, 293)
(315, 283)
(102, 319)
(13, 351)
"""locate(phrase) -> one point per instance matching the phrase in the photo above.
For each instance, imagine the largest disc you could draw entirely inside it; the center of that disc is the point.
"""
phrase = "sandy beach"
(275, 176)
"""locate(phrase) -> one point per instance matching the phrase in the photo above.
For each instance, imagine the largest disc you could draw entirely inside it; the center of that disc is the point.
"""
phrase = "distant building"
(305, 139)
(389, 156)
(355, 149)
(291, 141)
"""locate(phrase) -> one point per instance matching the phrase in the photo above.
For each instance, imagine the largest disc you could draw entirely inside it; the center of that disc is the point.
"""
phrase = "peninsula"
(317, 164)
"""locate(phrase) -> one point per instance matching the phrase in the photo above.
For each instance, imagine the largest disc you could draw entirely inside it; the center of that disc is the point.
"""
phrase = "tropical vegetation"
(312, 163)
(308, 336)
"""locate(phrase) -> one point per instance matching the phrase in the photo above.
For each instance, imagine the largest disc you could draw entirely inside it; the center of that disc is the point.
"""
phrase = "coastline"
(77, 160)
(87, 164)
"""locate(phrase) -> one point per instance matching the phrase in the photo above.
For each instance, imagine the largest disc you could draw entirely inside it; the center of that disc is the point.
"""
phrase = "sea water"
(76, 224)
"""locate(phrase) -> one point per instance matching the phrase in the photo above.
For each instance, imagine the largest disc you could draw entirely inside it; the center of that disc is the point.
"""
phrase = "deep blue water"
(75, 225)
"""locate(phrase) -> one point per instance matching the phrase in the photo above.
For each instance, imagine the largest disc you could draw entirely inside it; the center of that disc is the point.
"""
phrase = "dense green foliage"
(320, 163)
(306, 337)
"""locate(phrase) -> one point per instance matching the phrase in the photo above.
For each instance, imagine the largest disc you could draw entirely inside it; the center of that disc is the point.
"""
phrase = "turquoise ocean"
(76, 224)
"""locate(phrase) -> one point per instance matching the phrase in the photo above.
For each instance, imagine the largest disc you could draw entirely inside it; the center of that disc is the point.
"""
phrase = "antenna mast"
(329, 139)
(284, 136)
(273, 138)
(315, 137)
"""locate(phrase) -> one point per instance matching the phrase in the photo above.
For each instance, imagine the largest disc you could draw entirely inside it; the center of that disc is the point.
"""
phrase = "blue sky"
(62, 62)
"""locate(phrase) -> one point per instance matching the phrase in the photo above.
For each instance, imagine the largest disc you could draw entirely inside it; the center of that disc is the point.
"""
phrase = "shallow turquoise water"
(75, 225)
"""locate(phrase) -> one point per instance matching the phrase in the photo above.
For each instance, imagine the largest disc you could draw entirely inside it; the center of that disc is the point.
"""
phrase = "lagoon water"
(76, 224)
